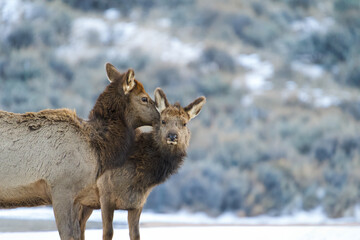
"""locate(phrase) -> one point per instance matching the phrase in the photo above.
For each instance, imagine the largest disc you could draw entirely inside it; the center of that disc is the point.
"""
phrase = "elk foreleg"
(107, 215)
(84, 215)
(66, 216)
(133, 221)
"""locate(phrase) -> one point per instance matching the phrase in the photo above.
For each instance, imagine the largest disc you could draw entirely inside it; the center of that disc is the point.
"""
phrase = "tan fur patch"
(48, 115)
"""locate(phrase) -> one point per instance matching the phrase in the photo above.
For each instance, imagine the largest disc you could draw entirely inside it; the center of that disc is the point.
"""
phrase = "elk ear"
(129, 81)
(194, 108)
(161, 101)
(111, 72)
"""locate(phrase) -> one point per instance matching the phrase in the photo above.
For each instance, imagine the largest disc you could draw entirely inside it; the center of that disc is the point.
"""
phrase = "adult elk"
(154, 157)
(51, 156)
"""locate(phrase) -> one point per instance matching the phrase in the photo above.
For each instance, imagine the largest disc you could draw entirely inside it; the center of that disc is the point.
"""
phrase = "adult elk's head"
(138, 108)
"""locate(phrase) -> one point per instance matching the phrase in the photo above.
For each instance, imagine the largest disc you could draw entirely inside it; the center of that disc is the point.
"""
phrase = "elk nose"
(172, 136)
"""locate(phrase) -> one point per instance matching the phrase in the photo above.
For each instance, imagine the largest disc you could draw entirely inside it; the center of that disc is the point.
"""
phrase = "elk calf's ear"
(194, 108)
(111, 72)
(161, 101)
(129, 81)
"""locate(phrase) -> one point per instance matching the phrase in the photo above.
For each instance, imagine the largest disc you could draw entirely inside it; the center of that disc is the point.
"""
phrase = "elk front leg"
(66, 216)
(133, 221)
(85, 213)
(107, 215)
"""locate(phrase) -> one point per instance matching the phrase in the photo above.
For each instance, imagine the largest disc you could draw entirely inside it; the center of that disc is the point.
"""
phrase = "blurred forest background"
(280, 130)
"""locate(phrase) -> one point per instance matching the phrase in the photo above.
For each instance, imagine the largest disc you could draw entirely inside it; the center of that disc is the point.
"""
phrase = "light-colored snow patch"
(310, 25)
(247, 100)
(87, 35)
(87, 31)
(214, 232)
(315, 216)
(11, 11)
(326, 101)
(36, 213)
(259, 71)
(96, 36)
(112, 14)
(123, 31)
(256, 82)
(310, 70)
(164, 22)
(317, 98)
(313, 96)
(73, 54)
(158, 44)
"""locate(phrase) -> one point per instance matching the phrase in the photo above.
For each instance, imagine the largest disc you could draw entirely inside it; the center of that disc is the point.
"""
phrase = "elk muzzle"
(172, 139)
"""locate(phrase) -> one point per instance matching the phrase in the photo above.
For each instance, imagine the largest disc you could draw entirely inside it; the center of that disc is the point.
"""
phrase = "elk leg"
(107, 215)
(85, 213)
(133, 221)
(66, 216)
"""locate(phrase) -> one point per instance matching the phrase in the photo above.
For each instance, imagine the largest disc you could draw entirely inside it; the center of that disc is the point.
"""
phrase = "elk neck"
(111, 133)
(154, 162)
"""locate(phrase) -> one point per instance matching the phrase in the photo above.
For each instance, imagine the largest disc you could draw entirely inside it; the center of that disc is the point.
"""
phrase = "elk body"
(154, 157)
(51, 156)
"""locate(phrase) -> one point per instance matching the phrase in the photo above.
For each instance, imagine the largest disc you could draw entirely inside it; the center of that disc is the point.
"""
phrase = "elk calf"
(154, 157)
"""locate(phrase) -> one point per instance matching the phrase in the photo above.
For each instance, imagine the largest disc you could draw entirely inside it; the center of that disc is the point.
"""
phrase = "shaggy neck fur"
(112, 134)
(154, 161)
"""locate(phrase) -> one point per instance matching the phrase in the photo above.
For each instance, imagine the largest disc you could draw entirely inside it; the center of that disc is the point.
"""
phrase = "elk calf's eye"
(144, 99)
(163, 122)
(184, 124)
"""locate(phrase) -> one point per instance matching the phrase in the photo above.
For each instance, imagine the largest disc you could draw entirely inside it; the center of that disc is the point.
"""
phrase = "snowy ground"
(302, 225)
(209, 233)
(314, 217)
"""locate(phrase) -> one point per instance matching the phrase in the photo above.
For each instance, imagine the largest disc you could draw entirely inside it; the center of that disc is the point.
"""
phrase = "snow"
(164, 22)
(317, 97)
(310, 70)
(156, 43)
(259, 71)
(315, 216)
(86, 34)
(91, 36)
(214, 232)
(86, 30)
(310, 25)
(112, 14)
(247, 100)
(256, 77)
(298, 226)
(11, 11)
(314, 96)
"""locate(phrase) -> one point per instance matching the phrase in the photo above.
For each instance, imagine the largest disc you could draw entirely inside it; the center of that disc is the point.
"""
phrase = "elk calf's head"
(172, 130)
(140, 108)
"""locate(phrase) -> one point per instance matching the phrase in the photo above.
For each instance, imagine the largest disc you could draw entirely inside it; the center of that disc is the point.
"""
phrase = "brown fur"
(34, 194)
(114, 120)
(151, 161)
(51, 156)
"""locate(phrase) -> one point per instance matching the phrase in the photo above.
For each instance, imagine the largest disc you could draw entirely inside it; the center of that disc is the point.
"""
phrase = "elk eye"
(184, 124)
(163, 122)
(144, 99)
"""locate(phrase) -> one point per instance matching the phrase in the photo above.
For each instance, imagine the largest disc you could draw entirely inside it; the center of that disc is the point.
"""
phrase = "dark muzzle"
(172, 138)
